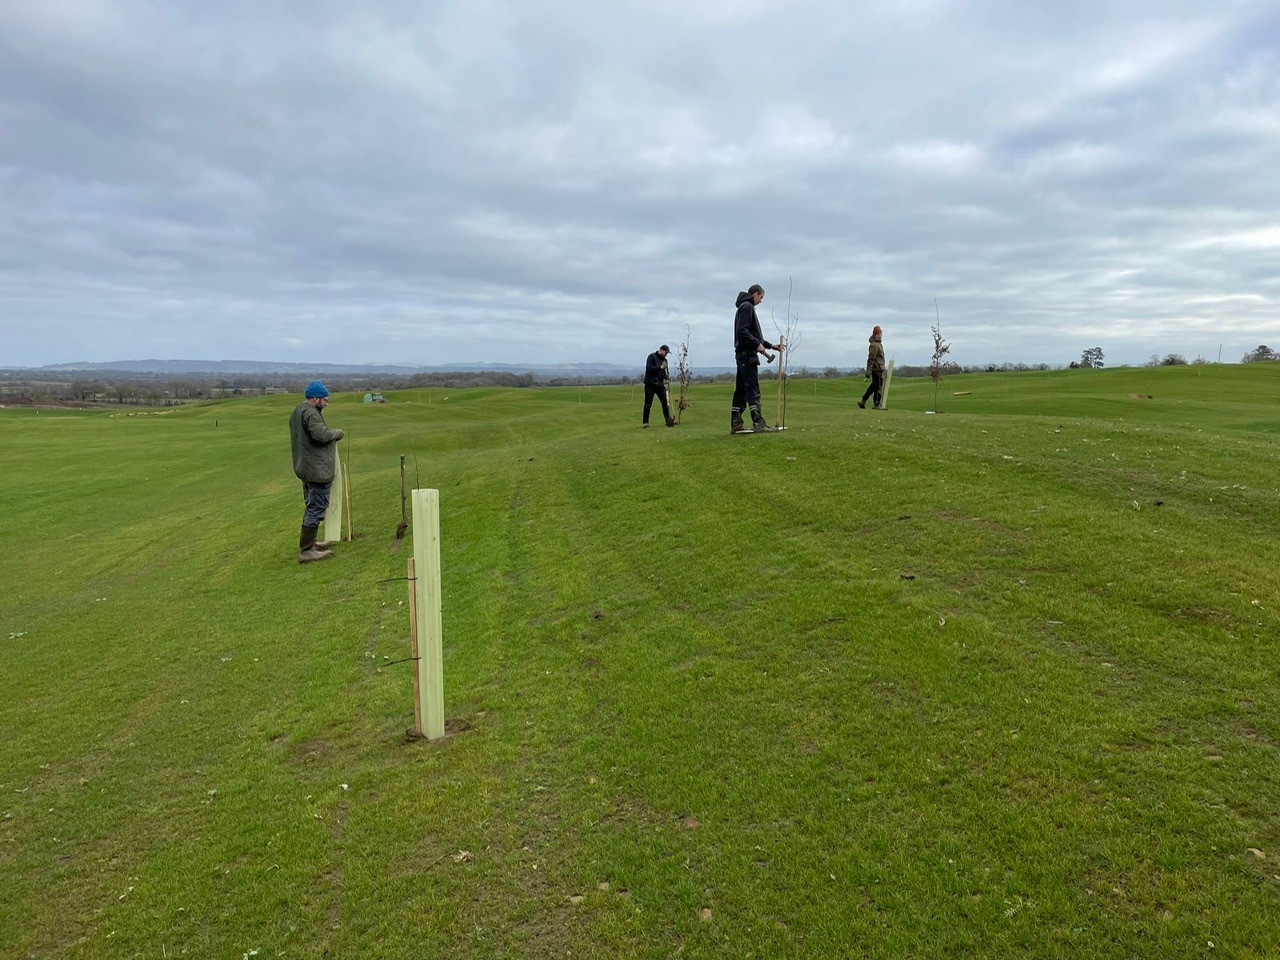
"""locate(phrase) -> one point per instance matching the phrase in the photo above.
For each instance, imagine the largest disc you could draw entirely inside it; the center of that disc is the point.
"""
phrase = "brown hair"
(754, 289)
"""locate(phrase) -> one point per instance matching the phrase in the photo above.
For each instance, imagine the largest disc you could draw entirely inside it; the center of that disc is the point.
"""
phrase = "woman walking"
(875, 369)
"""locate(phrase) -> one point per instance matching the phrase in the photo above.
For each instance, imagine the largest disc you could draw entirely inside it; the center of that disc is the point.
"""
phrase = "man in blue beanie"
(315, 464)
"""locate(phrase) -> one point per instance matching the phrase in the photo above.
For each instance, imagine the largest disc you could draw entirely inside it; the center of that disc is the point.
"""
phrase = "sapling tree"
(789, 335)
(937, 367)
(684, 373)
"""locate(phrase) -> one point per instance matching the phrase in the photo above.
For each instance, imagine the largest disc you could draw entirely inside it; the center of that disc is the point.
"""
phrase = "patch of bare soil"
(452, 727)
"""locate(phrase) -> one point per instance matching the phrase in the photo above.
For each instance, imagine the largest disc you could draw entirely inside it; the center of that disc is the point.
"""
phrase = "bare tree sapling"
(684, 373)
(940, 349)
(789, 336)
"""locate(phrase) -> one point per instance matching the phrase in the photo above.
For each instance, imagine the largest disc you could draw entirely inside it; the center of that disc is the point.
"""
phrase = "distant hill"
(264, 367)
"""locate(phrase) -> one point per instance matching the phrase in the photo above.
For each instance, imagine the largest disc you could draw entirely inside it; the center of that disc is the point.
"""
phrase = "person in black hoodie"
(748, 344)
(656, 379)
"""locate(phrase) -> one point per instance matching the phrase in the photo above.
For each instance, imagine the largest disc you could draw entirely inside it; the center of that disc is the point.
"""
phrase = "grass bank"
(997, 682)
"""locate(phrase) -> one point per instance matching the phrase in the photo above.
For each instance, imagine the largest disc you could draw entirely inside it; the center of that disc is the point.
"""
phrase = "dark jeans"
(316, 497)
(650, 391)
(877, 387)
(746, 390)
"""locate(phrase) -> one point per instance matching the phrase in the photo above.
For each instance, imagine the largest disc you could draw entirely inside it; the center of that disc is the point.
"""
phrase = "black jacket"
(655, 370)
(746, 330)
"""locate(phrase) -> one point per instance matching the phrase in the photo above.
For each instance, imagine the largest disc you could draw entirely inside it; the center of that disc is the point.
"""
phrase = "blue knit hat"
(316, 389)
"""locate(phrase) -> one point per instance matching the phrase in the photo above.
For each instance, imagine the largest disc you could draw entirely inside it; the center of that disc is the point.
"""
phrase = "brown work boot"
(862, 404)
(311, 553)
(761, 427)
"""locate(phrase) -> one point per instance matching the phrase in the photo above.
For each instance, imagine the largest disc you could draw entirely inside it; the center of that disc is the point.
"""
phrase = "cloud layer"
(482, 180)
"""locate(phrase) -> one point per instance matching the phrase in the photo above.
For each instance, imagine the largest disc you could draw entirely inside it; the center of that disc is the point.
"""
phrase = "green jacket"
(875, 355)
(312, 442)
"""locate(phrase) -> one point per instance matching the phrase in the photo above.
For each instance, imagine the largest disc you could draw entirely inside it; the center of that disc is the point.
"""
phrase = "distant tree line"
(104, 387)
(1092, 358)
(907, 370)
(96, 387)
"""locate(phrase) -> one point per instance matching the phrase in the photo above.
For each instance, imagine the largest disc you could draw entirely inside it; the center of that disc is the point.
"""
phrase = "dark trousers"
(746, 389)
(316, 498)
(877, 387)
(651, 391)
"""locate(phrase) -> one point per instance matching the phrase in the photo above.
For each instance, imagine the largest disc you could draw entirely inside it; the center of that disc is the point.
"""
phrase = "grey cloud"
(455, 181)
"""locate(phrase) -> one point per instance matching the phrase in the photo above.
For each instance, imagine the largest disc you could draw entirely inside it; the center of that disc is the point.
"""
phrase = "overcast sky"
(571, 180)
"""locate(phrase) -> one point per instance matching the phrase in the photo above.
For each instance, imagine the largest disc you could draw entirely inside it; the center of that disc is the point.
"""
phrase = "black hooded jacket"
(746, 330)
(656, 371)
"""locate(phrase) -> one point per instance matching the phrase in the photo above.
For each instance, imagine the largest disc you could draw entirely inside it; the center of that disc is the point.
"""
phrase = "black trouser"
(659, 391)
(877, 387)
(746, 389)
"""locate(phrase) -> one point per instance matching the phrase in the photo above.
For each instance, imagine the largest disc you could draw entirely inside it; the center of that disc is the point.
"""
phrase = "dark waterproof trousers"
(651, 391)
(877, 387)
(316, 498)
(746, 389)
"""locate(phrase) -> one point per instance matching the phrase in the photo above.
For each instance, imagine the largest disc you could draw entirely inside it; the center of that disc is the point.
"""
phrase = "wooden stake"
(333, 516)
(418, 721)
(426, 555)
(782, 373)
(403, 525)
(777, 411)
(346, 495)
(884, 391)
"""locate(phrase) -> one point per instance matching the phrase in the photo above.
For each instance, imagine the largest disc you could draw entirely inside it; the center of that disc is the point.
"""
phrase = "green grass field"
(999, 682)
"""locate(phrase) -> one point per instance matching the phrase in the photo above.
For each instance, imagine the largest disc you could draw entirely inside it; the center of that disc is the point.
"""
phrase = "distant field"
(998, 682)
